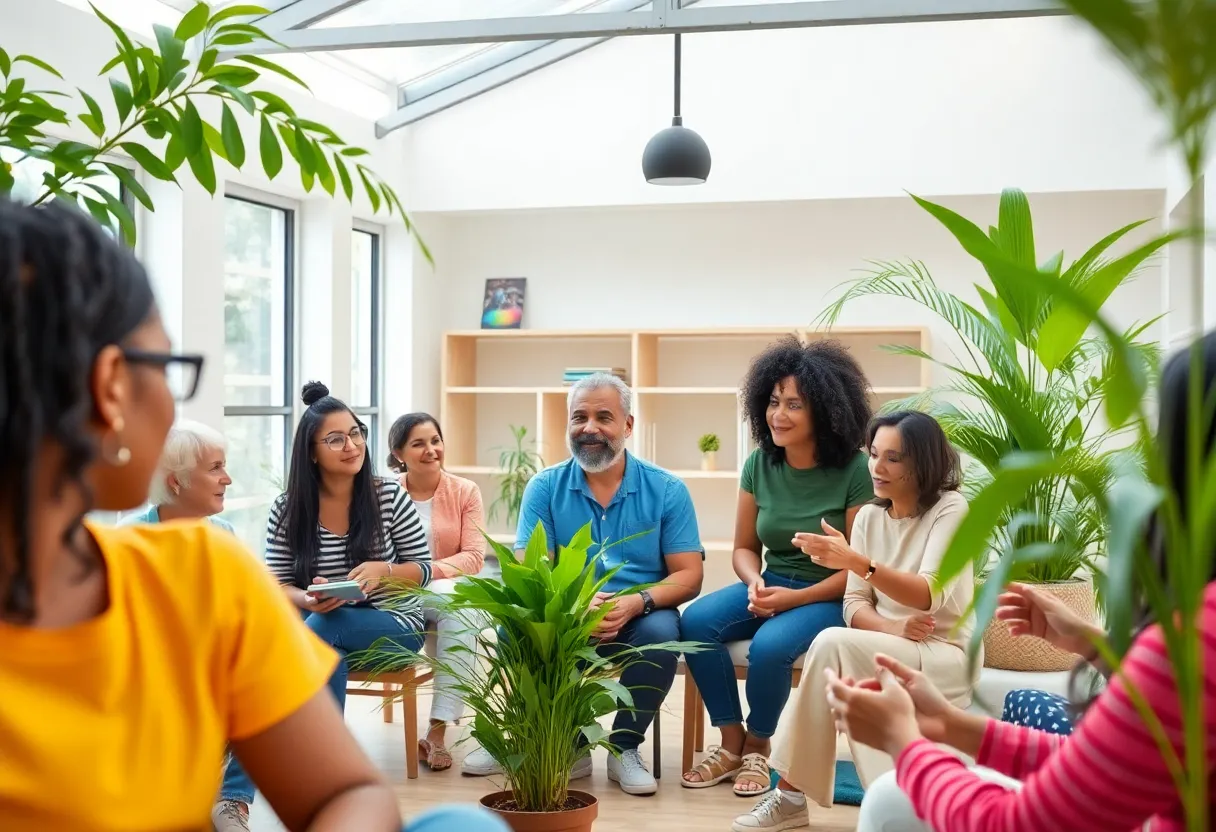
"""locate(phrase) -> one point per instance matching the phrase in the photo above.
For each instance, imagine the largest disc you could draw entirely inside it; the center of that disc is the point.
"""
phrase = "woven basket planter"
(1034, 655)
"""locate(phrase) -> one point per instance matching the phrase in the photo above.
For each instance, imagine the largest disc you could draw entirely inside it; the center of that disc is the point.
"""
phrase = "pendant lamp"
(676, 155)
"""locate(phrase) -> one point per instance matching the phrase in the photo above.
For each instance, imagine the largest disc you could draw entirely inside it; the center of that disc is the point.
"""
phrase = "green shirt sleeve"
(747, 477)
(861, 484)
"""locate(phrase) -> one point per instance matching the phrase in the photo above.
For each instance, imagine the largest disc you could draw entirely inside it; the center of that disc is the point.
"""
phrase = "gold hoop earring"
(122, 455)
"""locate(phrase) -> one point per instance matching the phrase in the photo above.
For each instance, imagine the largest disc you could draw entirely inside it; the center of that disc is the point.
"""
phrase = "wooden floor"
(673, 808)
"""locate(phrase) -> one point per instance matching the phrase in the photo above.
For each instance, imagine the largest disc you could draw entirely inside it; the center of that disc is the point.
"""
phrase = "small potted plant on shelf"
(709, 446)
(537, 687)
(516, 465)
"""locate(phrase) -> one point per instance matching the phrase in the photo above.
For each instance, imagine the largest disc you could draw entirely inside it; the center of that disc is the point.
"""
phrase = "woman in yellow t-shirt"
(130, 656)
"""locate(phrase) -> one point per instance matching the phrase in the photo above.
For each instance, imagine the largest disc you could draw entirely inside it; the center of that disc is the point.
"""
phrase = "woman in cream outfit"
(892, 605)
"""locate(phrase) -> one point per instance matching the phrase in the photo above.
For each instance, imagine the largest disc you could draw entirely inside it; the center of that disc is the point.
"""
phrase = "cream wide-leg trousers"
(804, 749)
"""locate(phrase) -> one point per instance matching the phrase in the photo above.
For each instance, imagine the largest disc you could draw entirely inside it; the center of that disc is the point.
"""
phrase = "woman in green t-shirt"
(808, 406)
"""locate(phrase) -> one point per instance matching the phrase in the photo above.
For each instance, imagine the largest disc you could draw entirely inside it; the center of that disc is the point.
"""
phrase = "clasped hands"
(621, 610)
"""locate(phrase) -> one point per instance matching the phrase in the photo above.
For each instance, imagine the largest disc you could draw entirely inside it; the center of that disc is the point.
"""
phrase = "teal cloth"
(848, 785)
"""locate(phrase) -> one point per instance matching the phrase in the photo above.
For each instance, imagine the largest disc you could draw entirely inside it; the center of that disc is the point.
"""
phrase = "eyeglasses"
(337, 441)
(182, 372)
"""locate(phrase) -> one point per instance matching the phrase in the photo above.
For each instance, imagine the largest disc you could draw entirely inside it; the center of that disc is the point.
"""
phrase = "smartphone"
(345, 590)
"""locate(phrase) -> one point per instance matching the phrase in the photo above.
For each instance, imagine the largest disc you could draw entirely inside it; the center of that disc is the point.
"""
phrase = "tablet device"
(345, 590)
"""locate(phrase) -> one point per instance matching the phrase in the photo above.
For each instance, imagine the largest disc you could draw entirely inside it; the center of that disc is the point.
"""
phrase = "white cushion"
(989, 694)
(738, 653)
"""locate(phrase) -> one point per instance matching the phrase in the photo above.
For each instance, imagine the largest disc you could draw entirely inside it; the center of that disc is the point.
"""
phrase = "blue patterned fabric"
(1038, 709)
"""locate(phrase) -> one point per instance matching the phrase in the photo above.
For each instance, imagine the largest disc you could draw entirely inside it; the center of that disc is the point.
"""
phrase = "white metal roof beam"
(294, 14)
(794, 15)
(473, 86)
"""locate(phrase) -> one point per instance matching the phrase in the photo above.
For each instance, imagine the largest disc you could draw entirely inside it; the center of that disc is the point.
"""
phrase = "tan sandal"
(712, 770)
(437, 757)
(754, 770)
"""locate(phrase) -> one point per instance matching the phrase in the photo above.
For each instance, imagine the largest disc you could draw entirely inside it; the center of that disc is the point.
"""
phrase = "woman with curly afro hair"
(808, 407)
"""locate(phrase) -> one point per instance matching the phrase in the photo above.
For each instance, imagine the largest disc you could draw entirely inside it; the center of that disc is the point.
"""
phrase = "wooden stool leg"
(690, 721)
(388, 702)
(699, 744)
(657, 739)
(409, 711)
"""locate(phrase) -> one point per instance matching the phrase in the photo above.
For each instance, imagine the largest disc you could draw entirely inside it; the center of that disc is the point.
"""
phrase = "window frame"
(371, 413)
(286, 411)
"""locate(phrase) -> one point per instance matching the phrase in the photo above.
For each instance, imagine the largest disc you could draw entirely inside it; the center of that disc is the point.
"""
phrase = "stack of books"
(573, 374)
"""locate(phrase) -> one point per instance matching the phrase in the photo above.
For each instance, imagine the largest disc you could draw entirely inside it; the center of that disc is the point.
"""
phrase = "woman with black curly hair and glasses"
(808, 406)
(131, 656)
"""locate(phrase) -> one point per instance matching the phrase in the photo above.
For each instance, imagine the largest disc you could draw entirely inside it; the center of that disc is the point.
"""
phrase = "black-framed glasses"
(182, 372)
(337, 441)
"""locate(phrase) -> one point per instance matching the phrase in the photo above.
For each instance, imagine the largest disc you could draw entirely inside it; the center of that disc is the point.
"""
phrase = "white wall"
(182, 242)
(866, 111)
(752, 264)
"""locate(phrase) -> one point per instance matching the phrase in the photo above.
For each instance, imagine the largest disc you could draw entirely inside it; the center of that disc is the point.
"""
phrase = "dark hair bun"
(314, 391)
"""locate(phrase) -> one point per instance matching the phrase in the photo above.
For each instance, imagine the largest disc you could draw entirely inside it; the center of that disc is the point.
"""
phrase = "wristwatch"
(647, 602)
(870, 572)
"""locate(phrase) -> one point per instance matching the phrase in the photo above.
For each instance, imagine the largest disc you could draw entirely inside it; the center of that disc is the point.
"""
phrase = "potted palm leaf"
(536, 685)
(1030, 380)
(1168, 45)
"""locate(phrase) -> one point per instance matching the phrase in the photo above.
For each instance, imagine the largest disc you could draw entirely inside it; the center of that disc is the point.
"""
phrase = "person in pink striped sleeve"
(450, 508)
(1108, 775)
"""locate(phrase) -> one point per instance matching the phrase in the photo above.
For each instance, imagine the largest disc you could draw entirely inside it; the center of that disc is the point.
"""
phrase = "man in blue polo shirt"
(620, 495)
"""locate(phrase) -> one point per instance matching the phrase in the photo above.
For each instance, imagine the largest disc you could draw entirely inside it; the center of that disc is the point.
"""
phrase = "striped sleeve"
(278, 556)
(407, 535)
(1109, 774)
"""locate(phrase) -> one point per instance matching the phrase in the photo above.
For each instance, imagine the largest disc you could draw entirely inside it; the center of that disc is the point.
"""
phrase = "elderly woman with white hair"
(191, 479)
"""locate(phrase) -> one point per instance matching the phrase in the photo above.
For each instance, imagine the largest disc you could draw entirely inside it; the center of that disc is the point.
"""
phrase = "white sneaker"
(772, 814)
(479, 763)
(631, 773)
(582, 768)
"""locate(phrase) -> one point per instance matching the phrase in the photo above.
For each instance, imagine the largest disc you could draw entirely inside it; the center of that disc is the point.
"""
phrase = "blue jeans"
(649, 678)
(463, 818)
(722, 617)
(347, 630)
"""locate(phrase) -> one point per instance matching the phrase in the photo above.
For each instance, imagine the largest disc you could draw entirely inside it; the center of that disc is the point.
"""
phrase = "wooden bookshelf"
(685, 383)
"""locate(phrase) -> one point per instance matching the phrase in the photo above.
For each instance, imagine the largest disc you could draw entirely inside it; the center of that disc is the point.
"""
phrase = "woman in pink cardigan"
(450, 509)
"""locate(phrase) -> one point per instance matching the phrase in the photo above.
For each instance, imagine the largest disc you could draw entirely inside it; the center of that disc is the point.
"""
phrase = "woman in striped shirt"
(337, 521)
(1107, 776)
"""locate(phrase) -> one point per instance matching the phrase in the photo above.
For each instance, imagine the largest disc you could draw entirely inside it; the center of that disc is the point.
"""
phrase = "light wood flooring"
(673, 808)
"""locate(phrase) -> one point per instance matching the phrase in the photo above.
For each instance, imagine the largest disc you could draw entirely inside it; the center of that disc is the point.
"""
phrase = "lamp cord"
(676, 120)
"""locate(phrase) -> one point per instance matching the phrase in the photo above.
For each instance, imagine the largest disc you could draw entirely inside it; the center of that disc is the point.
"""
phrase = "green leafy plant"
(709, 443)
(516, 465)
(165, 95)
(1029, 381)
(1170, 46)
(538, 686)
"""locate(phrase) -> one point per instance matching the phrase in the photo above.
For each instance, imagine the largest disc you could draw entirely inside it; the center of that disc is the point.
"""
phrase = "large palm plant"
(1029, 380)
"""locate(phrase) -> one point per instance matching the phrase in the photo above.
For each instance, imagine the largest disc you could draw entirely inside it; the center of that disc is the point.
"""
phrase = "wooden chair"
(404, 684)
(694, 705)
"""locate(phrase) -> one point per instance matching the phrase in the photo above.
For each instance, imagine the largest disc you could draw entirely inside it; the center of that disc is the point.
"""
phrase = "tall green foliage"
(1170, 47)
(516, 465)
(165, 94)
(539, 684)
(1029, 381)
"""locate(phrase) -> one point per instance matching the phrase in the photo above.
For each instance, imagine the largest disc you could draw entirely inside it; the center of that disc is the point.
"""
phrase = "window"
(28, 183)
(258, 359)
(365, 333)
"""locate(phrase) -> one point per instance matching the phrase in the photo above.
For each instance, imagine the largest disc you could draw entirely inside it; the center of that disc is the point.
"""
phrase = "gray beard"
(594, 458)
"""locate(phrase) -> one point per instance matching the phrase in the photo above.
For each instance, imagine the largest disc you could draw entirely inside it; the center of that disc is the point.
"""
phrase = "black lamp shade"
(676, 156)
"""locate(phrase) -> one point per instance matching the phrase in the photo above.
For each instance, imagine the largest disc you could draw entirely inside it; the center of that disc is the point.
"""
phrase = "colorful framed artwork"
(503, 306)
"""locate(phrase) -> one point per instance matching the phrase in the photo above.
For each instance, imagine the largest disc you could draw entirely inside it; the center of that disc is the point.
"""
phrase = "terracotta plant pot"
(577, 819)
(1033, 655)
(709, 461)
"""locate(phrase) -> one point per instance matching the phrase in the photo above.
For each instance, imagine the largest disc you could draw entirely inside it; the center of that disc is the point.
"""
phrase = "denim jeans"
(649, 678)
(722, 617)
(463, 818)
(347, 630)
